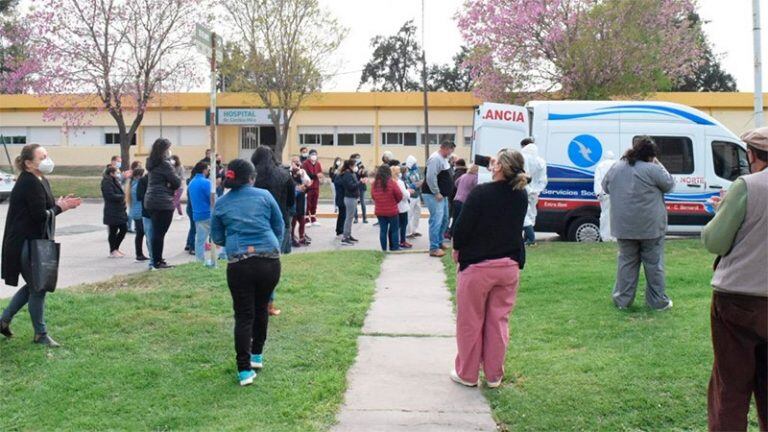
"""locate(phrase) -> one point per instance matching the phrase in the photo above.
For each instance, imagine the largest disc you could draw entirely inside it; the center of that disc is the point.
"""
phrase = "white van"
(702, 155)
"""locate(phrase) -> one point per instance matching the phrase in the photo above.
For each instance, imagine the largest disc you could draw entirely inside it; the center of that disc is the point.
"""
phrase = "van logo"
(505, 115)
(585, 151)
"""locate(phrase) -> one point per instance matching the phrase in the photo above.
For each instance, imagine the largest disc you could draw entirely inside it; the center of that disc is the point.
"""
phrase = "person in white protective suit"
(601, 170)
(536, 168)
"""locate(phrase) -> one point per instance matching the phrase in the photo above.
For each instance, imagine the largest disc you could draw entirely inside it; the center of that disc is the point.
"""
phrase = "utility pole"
(424, 85)
(212, 167)
(758, 64)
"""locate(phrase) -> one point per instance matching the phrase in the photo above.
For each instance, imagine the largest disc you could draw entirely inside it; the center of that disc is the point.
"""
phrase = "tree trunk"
(125, 146)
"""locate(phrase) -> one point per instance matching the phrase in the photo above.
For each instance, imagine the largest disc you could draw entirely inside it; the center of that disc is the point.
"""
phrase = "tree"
(395, 62)
(709, 76)
(283, 54)
(16, 67)
(586, 49)
(451, 78)
(117, 51)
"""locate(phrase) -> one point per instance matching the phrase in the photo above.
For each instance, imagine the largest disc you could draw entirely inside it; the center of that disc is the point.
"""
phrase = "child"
(386, 195)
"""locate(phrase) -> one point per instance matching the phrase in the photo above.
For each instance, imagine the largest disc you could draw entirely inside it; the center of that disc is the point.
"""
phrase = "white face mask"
(304, 155)
(313, 158)
(46, 166)
(355, 169)
(338, 163)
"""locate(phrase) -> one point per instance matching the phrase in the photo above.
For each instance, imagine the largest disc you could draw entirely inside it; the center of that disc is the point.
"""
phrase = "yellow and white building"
(336, 124)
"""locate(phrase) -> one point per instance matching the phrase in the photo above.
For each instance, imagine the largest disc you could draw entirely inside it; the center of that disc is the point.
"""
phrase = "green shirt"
(720, 232)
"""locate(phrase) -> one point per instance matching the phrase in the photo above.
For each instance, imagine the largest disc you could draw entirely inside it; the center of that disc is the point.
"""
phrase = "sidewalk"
(400, 380)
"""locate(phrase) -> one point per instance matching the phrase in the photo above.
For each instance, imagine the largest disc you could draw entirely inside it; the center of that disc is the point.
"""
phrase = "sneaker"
(163, 265)
(355, 221)
(443, 246)
(667, 307)
(295, 243)
(316, 223)
(437, 253)
(411, 236)
(256, 361)
(246, 377)
(44, 339)
(115, 254)
(141, 258)
(191, 252)
(5, 329)
(353, 239)
(457, 379)
(347, 242)
(405, 245)
(493, 384)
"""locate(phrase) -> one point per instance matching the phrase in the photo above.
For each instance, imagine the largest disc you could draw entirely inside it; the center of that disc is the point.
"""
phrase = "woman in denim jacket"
(249, 223)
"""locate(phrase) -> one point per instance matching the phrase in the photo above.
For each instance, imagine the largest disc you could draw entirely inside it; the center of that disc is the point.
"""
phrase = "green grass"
(575, 362)
(85, 187)
(155, 352)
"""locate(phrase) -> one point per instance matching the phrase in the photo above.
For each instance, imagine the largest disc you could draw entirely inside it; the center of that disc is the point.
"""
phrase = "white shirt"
(404, 205)
(600, 171)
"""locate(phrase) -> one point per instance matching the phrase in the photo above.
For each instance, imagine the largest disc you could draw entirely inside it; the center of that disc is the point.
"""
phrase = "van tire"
(584, 229)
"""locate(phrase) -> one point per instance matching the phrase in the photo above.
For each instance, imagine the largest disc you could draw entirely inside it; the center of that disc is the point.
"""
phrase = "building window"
(468, 136)
(326, 139)
(675, 153)
(316, 139)
(730, 160)
(363, 138)
(16, 139)
(399, 138)
(114, 138)
(346, 139)
(249, 138)
(439, 138)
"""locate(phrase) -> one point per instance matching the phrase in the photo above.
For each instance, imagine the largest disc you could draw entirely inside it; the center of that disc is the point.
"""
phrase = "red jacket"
(312, 171)
(386, 199)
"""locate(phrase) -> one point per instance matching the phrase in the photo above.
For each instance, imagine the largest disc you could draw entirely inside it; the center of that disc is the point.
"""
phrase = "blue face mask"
(118, 165)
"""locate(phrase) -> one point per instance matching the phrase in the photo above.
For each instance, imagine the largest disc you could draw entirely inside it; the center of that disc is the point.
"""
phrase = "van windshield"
(729, 160)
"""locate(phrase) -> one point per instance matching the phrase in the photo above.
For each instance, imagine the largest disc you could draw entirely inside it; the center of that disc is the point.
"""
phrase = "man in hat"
(738, 234)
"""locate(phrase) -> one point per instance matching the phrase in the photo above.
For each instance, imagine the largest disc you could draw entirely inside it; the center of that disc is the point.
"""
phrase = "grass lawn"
(575, 362)
(155, 352)
(84, 187)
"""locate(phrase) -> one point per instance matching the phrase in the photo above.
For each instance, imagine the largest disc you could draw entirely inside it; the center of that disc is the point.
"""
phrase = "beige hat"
(757, 138)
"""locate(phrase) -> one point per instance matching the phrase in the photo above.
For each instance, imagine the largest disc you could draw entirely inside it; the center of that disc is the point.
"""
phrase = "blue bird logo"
(585, 151)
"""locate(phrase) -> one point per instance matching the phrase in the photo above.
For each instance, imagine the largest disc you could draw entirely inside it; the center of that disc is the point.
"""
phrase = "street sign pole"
(212, 172)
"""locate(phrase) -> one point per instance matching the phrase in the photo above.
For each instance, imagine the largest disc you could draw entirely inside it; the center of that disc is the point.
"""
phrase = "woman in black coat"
(30, 204)
(115, 215)
(158, 201)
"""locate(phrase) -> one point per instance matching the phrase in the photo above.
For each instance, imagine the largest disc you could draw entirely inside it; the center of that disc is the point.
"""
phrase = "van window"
(675, 153)
(730, 160)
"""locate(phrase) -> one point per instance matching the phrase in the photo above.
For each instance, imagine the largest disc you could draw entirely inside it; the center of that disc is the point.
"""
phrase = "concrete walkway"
(400, 379)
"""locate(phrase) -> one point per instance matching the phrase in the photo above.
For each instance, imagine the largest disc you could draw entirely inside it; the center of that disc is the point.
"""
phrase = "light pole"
(758, 64)
(424, 85)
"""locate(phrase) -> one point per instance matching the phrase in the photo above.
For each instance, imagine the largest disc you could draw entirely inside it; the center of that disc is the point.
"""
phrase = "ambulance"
(702, 155)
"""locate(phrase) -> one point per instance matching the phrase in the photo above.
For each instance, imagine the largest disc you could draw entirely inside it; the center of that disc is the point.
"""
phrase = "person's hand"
(411, 191)
(438, 197)
(127, 174)
(68, 202)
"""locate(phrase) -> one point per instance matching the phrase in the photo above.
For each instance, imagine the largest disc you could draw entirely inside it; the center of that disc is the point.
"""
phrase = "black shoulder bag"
(41, 258)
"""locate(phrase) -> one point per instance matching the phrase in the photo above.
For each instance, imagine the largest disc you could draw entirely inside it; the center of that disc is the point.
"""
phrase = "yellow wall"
(375, 110)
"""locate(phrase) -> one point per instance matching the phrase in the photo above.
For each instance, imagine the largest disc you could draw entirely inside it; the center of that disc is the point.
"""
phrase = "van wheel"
(584, 229)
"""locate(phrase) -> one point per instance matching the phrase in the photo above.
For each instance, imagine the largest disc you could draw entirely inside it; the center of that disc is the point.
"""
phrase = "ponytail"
(27, 154)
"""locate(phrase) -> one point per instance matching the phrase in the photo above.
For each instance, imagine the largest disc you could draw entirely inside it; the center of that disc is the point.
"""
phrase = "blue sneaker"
(246, 377)
(256, 361)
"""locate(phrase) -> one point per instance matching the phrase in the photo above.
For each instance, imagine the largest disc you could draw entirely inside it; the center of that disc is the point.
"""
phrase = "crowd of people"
(268, 207)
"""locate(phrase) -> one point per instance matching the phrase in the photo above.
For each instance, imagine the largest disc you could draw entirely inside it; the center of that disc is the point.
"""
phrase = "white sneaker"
(493, 384)
(667, 307)
(316, 224)
(457, 379)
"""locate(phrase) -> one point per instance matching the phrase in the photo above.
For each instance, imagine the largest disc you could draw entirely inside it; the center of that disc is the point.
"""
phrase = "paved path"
(400, 379)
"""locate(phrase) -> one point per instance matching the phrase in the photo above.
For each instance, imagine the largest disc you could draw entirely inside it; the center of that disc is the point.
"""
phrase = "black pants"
(116, 236)
(740, 343)
(341, 216)
(161, 221)
(251, 282)
(138, 242)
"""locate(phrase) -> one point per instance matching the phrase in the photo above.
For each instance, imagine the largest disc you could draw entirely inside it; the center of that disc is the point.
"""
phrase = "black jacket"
(141, 192)
(163, 182)
(114, 201)
(490, 224)
(350, 184)
(30, 200)
(277, 180)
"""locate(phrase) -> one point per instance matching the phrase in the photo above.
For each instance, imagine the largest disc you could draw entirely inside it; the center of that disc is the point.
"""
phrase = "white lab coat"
(601, 170)
(536, 168)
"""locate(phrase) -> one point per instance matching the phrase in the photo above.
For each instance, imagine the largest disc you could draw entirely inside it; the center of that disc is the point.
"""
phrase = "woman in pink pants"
(489, 251)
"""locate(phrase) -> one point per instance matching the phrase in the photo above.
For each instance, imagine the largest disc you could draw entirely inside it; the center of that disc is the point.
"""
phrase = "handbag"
(42, 261)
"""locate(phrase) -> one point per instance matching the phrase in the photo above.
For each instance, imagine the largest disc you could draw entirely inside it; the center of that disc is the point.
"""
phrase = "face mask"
(355, 170)
(338, 163)
(304, 155)
(173, 162)
(46, 166)
(118, 165)
(313, 158)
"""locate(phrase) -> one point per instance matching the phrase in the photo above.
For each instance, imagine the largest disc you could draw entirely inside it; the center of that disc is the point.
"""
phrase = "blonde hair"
(395, 171)
(512, 166)
(473, 169)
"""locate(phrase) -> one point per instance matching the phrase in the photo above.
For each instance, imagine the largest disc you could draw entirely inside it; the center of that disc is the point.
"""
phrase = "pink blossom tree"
(116, 51)
(585, 49)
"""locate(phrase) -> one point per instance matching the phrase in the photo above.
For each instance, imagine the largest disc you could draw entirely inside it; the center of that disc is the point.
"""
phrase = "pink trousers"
(485, 295)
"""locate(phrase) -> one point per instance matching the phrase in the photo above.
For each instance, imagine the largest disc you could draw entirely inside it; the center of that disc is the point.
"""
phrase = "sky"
(729, 30)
